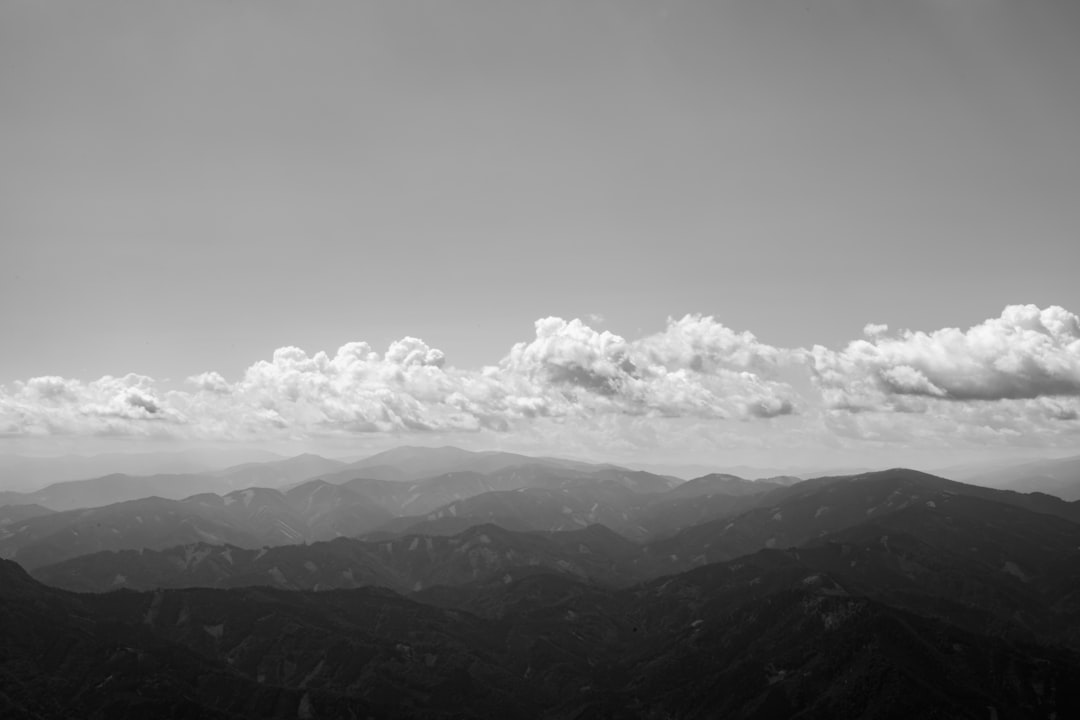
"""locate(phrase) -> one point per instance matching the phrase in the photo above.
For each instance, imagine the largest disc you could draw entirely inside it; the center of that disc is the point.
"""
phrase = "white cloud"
(875, 329)
(52, 405)
(1025, 353)
(210, 382)
(1013, 379)
(695, 367)
(356, 390)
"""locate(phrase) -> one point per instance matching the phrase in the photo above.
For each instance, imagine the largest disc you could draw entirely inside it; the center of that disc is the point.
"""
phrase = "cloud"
(211, 382)
(51, 405)
(1024, 354)
(696, 367)
(875, 329)
(1011, 379)
(355, 390)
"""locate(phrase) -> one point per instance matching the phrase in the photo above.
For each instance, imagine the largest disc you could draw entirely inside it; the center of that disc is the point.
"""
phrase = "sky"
(717, 231)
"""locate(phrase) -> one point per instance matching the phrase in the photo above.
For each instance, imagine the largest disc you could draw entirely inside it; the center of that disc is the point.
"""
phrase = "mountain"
(154, 523)
(729, 525)
(925, 552)
(1058, 477)
(532, 509)
(26, 474)
(638, 505)
(331, 511)
(789, 517)
(882, 595)
(414, 498)
(670, 513)
(109, 489)
(253, 517)
(15, 513)
(607, 493)
(988, 567)
(430, 494)
(410, 464)
(279, 473)
(60, 658)
(313, 511)
(482, 554)
(242, 654)
(766, 636)
(721, 484)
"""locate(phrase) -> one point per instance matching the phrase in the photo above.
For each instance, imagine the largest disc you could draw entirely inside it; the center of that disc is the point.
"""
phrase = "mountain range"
(481, 585)
(527, 497)
(28, 473)
(1060, 477)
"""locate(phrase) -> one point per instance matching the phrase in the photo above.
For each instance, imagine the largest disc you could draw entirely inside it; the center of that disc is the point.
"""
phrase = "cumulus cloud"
(1008, 379)
(1025, 353)
(51, 405)
(695, 367)
(355, 390)
(210, 382)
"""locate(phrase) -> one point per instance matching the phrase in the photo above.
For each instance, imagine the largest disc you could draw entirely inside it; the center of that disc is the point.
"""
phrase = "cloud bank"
(1024, 354)
(1013, 378)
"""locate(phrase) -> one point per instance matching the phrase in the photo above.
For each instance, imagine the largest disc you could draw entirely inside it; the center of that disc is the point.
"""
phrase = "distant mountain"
(313, 511)
(711, 519)
(14, 513)
(279, 473)
(109, 489)
(670, 513)
(414, 498)
(310, 511)
(1059, 477)
(26, 474)
(789, 517)
(425, 496)
(532, 509)
(965, 471)
(482, 554)
(154, 523)
(411, 464)
(637, 505)
(922, 535)
(247, 518)
(721, 484)
(884, 595)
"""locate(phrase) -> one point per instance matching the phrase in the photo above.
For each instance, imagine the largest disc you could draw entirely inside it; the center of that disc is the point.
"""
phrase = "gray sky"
(186, 187)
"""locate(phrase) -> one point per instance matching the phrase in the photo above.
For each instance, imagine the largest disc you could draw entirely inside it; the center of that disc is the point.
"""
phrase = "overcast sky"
(714, 230)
